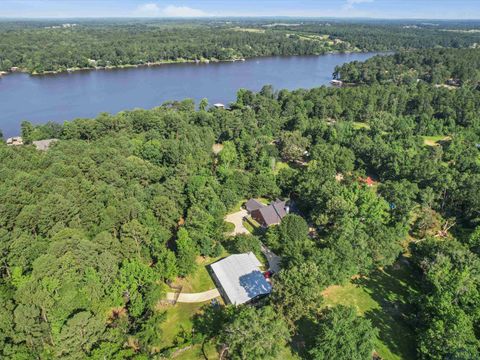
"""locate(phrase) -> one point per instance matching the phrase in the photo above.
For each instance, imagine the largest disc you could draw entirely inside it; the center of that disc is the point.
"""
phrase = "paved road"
(237, 220)
(194, 297)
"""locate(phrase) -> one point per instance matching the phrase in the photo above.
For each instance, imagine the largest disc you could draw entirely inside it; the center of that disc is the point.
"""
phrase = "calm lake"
(86, 93)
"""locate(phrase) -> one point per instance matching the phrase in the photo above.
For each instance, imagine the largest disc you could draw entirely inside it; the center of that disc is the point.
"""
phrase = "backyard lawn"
(383, 298)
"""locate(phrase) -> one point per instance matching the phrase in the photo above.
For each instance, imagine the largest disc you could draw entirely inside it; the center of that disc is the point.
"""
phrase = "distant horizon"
(234, 17)
(195, 9)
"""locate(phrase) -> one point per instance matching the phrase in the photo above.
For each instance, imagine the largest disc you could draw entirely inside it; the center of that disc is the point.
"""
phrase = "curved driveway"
(237, 220)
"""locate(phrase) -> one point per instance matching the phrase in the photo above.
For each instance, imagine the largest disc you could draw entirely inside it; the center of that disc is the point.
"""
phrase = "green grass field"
(382, 298)
(360, 125)
(179, 317)
(279, 165)
(433, 140)
(200, 280)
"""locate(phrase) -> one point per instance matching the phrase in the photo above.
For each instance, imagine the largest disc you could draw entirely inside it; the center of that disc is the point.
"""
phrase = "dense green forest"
(97, 229)
(44, 49)
(93, 229)
(51, 46)
(435, 66)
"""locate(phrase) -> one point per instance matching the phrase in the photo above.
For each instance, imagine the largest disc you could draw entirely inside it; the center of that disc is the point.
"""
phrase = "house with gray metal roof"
(239, 278)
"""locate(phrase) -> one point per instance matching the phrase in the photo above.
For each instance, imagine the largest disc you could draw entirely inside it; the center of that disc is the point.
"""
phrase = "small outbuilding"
(239, 278)
(219, 106)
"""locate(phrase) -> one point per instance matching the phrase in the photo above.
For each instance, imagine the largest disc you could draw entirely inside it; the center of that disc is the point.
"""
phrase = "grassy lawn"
(179, 317)
(279, 165)
(248, 226)
(433, 140)
(200, 280)
(253, 226)
(195, 352)
(382, 298)
(360, 125)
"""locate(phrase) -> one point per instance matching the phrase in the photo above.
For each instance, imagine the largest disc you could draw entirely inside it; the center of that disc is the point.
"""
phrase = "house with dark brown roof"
(252, 205)
(271, 214)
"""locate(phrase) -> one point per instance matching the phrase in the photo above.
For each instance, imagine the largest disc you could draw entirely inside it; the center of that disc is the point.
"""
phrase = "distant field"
(433, 140)
(252, 30)
(360, 125)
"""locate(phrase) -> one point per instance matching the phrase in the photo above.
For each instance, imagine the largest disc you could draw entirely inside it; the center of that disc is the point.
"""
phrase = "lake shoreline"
(163, 62)
(85, 94)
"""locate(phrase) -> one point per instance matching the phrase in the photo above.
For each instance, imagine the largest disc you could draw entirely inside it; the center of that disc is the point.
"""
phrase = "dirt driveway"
(237, 220)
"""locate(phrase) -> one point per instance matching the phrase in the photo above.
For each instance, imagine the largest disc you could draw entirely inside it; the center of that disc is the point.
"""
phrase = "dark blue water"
(86, 93)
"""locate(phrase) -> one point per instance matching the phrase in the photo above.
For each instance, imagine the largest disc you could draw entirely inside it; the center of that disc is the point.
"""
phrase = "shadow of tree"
(304, 338)
(393, 289)
(255, 284)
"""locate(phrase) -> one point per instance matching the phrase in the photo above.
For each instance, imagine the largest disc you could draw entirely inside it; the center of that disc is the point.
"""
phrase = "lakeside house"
(239, 278)
(267, 215)
(336, 83)
(15, 141)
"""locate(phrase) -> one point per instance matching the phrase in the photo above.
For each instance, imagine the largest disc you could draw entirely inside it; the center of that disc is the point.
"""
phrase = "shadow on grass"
(304, 338)
(393, 289)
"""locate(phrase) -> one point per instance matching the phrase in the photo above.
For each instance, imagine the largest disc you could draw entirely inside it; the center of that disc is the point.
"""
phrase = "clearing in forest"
(382, 297)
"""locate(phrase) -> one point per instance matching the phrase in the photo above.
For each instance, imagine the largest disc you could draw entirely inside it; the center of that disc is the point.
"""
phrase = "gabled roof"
(273, 213)
(253, 204)
(240, 278)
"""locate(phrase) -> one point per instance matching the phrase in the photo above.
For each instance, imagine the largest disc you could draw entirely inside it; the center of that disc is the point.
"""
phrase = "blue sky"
(426, 9)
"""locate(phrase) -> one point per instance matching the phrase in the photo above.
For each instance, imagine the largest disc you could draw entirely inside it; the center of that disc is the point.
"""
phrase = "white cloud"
(150, 9)
(154, 10)
(351, 3)
(183, 11)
